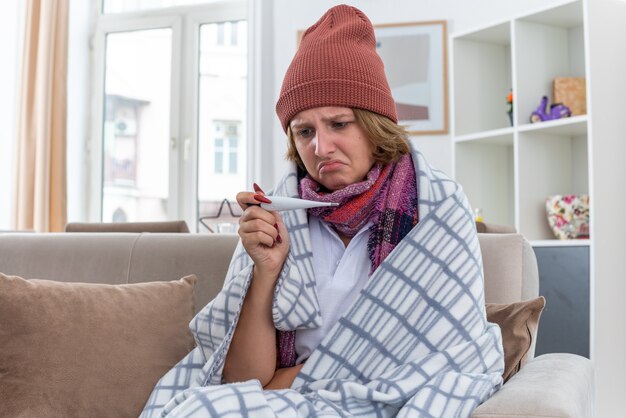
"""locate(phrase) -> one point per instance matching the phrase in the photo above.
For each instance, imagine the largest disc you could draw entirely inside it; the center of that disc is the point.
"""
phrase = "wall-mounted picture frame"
(415, 61)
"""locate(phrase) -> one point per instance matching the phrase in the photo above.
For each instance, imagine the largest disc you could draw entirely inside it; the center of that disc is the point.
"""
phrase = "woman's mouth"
(329, 166)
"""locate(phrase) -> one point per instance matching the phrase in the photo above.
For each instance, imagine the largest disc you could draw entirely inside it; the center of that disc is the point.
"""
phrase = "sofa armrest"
(551, 385)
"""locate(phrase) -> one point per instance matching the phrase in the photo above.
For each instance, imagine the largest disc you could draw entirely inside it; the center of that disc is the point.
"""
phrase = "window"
(219, 156)
(223, 101)
(232, 155)
(227, 33)
(226, 148)
(136, 124)
(170, 83)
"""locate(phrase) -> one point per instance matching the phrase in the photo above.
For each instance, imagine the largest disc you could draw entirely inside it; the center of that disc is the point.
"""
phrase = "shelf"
(560, 243)
(502, 136)
(549, 164)
(549, 44)
(497, 35)
(568, 15)
(574, 126)
(487, 172)
(509, 171)
(481, 67)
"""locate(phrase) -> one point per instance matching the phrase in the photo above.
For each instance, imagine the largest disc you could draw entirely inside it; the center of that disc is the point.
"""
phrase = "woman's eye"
(339, 125)
(305, 133)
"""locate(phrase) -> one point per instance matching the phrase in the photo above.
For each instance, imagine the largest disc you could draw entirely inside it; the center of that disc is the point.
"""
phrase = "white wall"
(11, 19)
(293, 15)
(607, 34)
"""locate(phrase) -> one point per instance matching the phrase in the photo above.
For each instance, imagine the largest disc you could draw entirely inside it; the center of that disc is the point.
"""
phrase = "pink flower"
(560, 221)
(569, 198)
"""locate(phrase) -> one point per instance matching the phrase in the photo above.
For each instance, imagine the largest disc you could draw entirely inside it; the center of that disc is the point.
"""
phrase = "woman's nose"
(324, 144)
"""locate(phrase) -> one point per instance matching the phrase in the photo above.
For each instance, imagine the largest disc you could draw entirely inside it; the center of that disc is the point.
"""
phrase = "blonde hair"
(389, 140)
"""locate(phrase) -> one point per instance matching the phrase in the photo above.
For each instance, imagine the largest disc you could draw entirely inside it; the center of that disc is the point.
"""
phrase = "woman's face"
(332, 146)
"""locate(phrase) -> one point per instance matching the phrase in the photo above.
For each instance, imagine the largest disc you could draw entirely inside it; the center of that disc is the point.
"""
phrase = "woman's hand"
(252, 353)
(263, 234)
(283, 378)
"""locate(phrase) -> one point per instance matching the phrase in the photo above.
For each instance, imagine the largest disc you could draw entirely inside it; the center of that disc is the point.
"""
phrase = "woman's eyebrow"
(297, 124)
(333, 117)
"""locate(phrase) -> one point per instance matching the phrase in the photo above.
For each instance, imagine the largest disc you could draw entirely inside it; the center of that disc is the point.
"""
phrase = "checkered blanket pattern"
(415, 343)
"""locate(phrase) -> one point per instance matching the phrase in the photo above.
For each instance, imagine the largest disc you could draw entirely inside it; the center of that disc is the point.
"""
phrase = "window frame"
(185, 22)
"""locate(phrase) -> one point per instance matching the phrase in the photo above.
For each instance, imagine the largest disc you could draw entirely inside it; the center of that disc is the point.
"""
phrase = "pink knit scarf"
(387, 197)
(357, 201)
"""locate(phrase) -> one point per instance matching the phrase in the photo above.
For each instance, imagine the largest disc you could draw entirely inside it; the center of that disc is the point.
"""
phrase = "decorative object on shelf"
(542, 114)
(572, 92)
(509, 102)
(478, 215)
(568, 215)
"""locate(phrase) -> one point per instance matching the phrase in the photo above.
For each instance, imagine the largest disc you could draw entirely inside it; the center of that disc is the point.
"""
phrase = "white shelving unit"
(509, 171)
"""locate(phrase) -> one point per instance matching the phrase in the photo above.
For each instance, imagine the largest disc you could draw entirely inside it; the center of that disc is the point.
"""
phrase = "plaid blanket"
(415, 342)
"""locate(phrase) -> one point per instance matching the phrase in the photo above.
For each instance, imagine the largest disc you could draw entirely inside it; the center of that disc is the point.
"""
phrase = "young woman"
(350, 156)
(374, 307)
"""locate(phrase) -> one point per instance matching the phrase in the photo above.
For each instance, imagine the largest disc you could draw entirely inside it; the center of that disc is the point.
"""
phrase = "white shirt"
(340, 274)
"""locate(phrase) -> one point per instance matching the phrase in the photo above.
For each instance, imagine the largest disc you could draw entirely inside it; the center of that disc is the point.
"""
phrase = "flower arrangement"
(509, 102)
(568, 215)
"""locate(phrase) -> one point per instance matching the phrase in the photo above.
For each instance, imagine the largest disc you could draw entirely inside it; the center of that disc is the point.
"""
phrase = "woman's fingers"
(245, 199)
(258, 189)
(263, 233)
(258, 237)
(257, 225)
(280, 228)
(261, 198)
(253, 226)
(256, 212)
(266, 240)
(253, 239)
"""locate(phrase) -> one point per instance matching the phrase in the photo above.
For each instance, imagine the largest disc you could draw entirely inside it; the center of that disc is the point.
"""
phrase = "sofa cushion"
(80, 349)
(518, 323)
(555, 385)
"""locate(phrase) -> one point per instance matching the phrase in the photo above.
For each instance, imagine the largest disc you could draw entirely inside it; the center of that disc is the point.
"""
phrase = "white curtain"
(41, 191)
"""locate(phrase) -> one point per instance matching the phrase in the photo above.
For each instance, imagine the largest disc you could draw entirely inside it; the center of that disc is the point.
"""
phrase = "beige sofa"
(551, 385)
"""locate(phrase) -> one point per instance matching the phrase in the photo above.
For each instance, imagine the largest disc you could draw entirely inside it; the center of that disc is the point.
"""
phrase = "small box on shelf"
(571, 91)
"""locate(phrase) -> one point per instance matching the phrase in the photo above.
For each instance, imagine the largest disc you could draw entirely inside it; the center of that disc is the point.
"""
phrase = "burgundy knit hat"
(336, 65)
